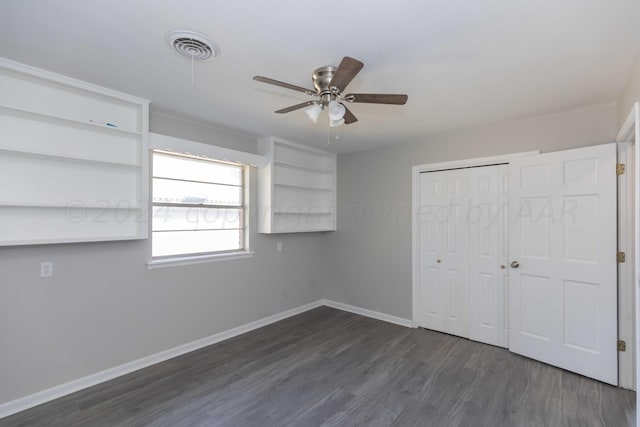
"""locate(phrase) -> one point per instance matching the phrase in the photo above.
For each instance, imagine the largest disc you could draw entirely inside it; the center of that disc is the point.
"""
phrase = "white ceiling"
(463, 63)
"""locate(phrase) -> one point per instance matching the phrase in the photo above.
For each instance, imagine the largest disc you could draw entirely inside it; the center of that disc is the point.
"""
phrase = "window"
(198, 206)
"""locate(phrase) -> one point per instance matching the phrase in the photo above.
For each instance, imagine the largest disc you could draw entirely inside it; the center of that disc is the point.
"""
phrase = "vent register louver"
(192, 45)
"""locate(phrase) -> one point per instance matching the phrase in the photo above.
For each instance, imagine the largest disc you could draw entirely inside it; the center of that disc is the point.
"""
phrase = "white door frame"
(630, 132)
(628, 222)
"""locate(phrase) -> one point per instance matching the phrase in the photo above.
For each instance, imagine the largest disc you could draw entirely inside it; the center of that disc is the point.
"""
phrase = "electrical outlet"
(46, 269)
(279, 246)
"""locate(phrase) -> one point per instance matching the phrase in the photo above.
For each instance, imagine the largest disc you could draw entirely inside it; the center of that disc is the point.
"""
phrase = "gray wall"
(172, 124)
(370, 254)
(103, 307)
(630, 93)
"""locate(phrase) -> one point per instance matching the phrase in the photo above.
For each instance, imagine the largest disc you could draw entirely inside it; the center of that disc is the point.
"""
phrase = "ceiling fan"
(329, 83)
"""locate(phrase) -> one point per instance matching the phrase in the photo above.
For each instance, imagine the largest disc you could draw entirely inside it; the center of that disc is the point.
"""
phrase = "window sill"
(196, 259)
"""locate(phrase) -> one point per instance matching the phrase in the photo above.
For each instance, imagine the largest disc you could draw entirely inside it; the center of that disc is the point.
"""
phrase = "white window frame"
(206, 151)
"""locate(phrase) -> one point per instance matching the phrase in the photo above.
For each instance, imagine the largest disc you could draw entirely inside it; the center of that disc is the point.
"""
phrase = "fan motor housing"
(322, 78)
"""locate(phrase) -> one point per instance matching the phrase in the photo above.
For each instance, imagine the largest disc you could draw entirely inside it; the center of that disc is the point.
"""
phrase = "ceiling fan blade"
(285, 85)
(377, 98)
(346, 71)
(296, 107)
(348, 116)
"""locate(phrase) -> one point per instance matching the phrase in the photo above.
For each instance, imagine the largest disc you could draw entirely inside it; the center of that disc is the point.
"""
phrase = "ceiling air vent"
(192, 45)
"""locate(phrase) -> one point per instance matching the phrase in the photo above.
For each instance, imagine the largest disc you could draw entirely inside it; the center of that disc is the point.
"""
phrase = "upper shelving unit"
(76, 155)
(297, 188)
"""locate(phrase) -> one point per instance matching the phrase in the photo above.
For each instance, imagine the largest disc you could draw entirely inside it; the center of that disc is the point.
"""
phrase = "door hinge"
(620, 169)
(621, 257)
(622, 345)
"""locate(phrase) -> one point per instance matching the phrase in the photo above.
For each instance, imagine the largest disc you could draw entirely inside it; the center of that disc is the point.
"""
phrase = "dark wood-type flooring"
(329, 367)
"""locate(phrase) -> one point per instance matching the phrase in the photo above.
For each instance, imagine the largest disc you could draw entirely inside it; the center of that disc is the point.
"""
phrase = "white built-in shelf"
(71, 205)
(74, 178)
(7, 109)
(297, 188)
(305, 229)
(285, 212)
(65, 157)
(301, 167)
(58, 240)
(302, 187)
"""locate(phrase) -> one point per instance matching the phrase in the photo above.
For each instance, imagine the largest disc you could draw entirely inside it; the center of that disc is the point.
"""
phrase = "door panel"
(431, 241)
(563, 295)
(535, 304)
(443, 252)
(487, 252)
(454, 257)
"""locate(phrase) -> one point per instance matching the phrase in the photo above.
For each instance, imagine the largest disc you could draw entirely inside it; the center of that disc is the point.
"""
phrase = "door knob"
(515, 264)
(438, 261)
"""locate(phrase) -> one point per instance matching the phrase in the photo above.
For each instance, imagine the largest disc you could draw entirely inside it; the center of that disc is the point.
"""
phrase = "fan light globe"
(336, 123)
(314, 112)
(336, 110)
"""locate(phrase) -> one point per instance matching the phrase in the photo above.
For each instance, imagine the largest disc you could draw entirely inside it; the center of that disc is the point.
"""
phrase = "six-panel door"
(443, 237)
(487, 219)
(563, 303)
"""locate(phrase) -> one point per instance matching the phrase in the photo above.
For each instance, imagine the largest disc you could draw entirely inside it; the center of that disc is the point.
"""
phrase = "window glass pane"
(197, 229)
(196, 193)
(191, 218)
(168, 166)
(193, 242)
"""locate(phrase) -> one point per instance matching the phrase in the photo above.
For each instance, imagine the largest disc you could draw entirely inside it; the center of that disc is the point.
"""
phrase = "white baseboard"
(368, 313)
(52, 393)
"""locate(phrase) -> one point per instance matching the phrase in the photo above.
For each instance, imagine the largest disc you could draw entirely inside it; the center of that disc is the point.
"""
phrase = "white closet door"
(563, 302)
(488, 275)
(443, 251)
(432, 188)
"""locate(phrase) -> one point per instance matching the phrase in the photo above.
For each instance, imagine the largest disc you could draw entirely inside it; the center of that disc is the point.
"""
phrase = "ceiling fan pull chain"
(193, 69)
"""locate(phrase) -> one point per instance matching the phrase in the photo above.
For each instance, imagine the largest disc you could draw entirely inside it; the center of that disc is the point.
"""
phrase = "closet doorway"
(463, 251)
(520, 252)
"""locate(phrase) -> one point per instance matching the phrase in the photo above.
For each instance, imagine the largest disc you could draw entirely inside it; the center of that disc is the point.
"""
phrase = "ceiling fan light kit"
(336, 110)
(329, 83)
(335, 123)
(314, 112)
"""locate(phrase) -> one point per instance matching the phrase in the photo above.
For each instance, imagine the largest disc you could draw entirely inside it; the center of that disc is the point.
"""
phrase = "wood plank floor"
(329, 367)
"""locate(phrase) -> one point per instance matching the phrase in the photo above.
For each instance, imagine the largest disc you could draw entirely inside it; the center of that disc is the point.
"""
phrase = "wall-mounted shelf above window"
(75, 156)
